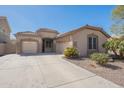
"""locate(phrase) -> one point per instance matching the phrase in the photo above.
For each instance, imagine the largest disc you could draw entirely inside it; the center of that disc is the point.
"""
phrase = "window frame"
(91, 44)
(48, 44)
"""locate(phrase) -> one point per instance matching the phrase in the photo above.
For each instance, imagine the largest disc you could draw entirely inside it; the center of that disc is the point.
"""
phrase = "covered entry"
(47, 45)
(29, 47)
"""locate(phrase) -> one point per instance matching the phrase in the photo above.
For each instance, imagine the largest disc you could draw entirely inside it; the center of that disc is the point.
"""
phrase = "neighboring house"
(6, 46)
(86, 39)
(4, 30)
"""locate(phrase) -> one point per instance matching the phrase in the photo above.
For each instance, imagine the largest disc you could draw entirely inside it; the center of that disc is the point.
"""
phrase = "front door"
(47, 45)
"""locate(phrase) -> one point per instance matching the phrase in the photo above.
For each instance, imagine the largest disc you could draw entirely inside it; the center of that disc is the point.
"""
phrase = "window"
(92, 42)
(48, 43)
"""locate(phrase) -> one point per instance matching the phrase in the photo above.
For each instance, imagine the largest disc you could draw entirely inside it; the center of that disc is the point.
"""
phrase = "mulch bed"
(113, 71)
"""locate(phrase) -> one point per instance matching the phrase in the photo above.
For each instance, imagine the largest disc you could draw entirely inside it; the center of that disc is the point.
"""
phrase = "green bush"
(112, 45)
(116, 45)
(121, 49)
(100, 58)
(71, 52)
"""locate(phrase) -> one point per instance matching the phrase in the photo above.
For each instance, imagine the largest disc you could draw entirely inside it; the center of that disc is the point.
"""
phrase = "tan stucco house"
(43, 40)
(86, 39)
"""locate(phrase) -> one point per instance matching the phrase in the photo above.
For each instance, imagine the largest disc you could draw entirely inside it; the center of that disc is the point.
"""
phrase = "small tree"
(121, 49)
(112, 45)
(118, 20)
(106, 45)
(116, 46)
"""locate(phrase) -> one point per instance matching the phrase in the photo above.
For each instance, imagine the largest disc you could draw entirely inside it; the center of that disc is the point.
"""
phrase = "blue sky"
(61, 18)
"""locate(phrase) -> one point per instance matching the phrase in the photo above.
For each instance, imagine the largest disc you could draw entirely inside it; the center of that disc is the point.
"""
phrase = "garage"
(61, 46)
(29, 47)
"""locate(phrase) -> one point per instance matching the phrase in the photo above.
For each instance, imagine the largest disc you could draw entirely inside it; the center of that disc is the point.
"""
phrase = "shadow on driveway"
(37, 54)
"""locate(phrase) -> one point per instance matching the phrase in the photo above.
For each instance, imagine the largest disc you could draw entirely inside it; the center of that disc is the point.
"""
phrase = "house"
(43, 40)
(6, 44)
(4, 34)
(86, 39)
(4, 30)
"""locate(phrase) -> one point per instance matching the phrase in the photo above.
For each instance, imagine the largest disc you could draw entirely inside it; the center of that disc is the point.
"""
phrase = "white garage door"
(60, 47)
(29, 47)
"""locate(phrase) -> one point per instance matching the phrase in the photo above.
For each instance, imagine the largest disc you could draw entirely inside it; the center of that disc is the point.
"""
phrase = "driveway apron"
(46, 70)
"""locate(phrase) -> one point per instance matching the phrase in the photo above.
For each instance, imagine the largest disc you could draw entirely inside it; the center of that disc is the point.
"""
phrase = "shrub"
(71, 52)
(100, 58)
(116, 45)
(121, 49)
(112, 45)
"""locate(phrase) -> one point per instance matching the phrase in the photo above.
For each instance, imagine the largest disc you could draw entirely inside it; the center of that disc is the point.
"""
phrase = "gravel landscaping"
(113, 71)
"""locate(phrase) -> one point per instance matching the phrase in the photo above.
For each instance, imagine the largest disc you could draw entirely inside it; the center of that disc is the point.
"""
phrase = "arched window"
(92, 42)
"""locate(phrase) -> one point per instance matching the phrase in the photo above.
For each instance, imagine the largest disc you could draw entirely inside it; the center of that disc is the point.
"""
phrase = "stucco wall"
(10, 47)
(2, 47)
(4, 37)
(60, 46)
(44, 34)
(62, 43)
(81, 38)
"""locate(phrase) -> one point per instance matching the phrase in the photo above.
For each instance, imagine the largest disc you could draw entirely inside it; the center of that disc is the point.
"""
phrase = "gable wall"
(81, 38)
(62, 43)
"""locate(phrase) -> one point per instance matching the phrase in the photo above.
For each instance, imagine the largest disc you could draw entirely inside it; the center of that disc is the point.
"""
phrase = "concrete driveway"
(46, 70)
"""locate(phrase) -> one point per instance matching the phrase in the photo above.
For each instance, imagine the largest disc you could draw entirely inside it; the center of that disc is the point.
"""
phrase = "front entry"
(47, 45)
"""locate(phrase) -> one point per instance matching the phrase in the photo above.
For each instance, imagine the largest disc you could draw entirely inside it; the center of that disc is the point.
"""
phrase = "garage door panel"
(60, 47)
(29, 47)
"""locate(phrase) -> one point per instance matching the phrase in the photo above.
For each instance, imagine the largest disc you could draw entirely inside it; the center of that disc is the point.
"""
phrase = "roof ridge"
(86, 26)
(47, 29)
